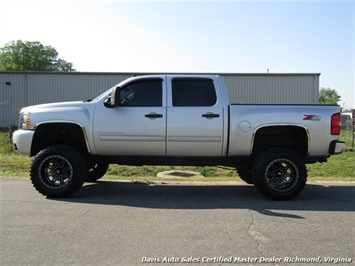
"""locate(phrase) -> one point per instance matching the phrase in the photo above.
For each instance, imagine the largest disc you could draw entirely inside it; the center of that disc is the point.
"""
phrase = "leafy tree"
(31, 56)
(328, 96)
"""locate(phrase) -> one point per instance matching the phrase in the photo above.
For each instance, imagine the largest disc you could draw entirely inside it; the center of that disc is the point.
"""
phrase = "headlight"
(24, 121)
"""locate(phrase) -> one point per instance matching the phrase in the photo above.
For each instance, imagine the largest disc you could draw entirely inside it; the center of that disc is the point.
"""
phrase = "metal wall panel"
(12, 95)
(273, 89)
(29, 88)
(64, 87)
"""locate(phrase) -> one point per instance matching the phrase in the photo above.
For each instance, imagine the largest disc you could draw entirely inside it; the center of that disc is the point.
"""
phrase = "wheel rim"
(94, 168)
(55, 172)
(281, 175)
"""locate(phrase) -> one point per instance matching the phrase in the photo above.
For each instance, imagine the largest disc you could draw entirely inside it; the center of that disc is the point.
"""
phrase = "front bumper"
(22, 140)
(336, 147)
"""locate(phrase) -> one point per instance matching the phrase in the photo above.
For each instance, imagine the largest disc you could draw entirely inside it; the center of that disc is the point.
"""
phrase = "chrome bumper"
(336, 147)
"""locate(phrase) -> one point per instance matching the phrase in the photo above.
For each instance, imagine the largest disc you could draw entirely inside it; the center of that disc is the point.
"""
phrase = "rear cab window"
(193, 92)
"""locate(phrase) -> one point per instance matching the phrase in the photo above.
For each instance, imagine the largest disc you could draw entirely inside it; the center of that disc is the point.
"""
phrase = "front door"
(138, 125)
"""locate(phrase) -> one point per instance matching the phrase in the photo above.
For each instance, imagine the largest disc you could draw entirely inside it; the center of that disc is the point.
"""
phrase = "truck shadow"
(315, 197)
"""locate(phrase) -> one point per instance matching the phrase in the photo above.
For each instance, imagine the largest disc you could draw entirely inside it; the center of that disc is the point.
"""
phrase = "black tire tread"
(245, 175)
(260, 183)
(79, 165)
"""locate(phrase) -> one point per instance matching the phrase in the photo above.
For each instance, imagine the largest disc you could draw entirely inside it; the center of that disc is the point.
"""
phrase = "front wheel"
(57, 171)
(279, 174)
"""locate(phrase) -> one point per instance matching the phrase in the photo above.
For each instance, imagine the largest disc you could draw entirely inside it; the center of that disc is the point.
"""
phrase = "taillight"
(335, 124)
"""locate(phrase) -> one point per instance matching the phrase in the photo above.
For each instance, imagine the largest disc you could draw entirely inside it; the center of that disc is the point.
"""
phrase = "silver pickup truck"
(175, 120)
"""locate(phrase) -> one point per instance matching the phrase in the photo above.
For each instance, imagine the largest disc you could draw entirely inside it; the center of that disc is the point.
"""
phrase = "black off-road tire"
(96, 172)
(279, 174)
(246, 175)
(58, 171)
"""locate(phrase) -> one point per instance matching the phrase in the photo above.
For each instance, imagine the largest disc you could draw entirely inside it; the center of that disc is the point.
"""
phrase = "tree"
(328, 96)
(31, 56)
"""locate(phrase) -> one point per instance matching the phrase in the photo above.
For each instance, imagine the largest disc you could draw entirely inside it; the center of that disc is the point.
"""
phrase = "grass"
(339, 167)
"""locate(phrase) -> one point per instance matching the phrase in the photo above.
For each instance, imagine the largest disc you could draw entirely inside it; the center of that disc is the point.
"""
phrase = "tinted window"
(193, 92)
(142, 93)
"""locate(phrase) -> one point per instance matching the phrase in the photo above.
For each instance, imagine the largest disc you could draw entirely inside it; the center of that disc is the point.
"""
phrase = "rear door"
(195, 117)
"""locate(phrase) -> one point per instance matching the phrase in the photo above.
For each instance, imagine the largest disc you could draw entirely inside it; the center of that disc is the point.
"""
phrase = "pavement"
(128, 223)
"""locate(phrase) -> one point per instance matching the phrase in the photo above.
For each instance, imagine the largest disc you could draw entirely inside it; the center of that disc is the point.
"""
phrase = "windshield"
(102, 95)
(107, 92)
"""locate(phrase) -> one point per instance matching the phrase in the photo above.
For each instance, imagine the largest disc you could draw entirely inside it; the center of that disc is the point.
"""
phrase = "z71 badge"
(312, 117)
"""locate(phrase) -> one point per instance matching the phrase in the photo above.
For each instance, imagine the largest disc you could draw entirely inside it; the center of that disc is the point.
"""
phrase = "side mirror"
(114, 99)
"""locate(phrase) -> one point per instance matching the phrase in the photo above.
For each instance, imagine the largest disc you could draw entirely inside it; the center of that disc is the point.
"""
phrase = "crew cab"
(175, 120)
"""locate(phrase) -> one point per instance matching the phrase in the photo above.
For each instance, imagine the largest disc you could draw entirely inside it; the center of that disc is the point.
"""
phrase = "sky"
(194, 36)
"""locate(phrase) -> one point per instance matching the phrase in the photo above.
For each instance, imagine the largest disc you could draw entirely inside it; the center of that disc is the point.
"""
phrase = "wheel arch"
(60, 132)
(292, 136)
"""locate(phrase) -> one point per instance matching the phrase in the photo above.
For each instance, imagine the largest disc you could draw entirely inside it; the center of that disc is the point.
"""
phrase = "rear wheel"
(279, 174)
(57, 171)
(96, 172)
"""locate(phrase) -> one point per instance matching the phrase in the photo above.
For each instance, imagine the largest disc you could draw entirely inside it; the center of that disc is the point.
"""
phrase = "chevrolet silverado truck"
(175, 120)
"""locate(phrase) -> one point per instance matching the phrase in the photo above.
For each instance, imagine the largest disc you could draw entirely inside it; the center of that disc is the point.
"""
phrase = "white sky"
(199, 36)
